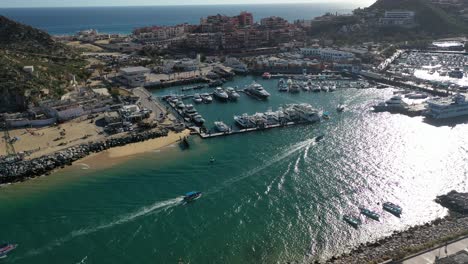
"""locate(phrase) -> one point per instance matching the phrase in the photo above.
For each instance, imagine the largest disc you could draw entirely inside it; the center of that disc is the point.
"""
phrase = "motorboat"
(319, 138)
(371, 214)
(221, 126)
(232, 94)
(316, 89)
(392, 208)
(190, 111)
(257, 90)
(206, 98)
(197, 99)
(282, 86)
(244, 121)
(180, 105)
(340, 108)
(6, 248)
(394, 103)
(416, 96)
(192, 196)
(220, 94)
(198, 119)
(294, 88)
(352, 221)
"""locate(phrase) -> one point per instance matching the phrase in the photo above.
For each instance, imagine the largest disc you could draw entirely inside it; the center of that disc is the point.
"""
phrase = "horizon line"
(166, 5)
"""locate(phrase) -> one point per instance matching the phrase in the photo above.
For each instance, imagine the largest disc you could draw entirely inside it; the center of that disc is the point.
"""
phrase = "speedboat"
(6, 248)
(221, 94)
(257, 90)
(319, 138)
(192, 196)
(232, 94)
(392, 208)
(372, 215)
(221, 126)
(352, 221)
(197, 99)
(180, 105)
(340, 108)
(206, 98)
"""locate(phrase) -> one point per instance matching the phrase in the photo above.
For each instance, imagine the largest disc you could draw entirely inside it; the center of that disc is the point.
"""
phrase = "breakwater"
(21, 170)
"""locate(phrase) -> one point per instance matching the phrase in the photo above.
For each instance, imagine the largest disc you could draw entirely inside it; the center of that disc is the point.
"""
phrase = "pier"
(208, 135)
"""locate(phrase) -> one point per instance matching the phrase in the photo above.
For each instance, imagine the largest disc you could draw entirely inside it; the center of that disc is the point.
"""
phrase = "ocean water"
(270, 197)
(64, 21)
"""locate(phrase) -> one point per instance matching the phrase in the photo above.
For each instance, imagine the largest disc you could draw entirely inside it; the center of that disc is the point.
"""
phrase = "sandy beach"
(117, 155)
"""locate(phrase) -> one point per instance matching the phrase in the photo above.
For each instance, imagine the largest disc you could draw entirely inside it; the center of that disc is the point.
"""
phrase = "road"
(441, 252)
(147, 101)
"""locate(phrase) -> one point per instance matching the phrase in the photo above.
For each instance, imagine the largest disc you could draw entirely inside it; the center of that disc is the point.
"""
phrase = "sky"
(84, 3)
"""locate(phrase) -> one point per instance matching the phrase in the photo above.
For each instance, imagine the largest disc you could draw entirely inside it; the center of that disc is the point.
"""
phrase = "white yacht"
(221, 94)
(190, 111)
(244, 121)
(257, 90)
(294, 88)
(206, 98)
(197, 99)
(307, 112)
(440, 108)
(221, 126)
(394, 103)
(233, 95)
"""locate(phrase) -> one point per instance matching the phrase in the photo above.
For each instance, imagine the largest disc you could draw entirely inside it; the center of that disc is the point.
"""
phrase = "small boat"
(352, 221)
(221, 126)
(340, 108)
(372, 215)
(206, 98)
(233, 95)
(326, 115)
(212, 160)
(192, 196)
(198, 119)
(392, 208)
(220, 94)
(6, 248)
(319, 138)
(197, 99)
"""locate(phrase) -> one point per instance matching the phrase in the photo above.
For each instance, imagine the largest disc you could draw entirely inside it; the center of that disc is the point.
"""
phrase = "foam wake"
(154, 208)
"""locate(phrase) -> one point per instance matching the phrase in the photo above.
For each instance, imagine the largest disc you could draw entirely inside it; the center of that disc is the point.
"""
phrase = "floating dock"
(205, 135)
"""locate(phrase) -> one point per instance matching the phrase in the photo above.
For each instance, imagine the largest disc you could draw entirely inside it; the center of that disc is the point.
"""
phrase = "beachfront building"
(326, 54)
(398, 18)
(134, 76)
(222, 23)
(160, 33)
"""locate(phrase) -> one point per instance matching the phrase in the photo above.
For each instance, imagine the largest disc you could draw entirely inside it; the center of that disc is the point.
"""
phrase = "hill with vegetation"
(53, 62)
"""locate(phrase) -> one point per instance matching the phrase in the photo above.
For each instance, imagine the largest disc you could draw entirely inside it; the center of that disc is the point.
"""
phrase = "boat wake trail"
(154, 208)
(281, 177)
(295, 148)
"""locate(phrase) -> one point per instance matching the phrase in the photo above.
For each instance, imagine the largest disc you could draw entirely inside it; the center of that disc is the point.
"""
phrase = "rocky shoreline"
(417, 238)
(22, 170)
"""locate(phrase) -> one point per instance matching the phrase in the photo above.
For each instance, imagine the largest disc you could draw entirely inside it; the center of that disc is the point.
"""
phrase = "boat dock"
(205, 135)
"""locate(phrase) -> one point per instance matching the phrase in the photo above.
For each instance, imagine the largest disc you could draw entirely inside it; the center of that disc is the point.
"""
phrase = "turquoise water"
(271, 196)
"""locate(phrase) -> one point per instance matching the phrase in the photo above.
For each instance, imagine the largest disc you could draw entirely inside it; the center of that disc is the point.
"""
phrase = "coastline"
(114, 156)
(114, 149)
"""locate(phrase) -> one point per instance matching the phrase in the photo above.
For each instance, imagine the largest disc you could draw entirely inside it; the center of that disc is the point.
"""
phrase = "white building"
(327, 54)
(398, 18)
(134, 76)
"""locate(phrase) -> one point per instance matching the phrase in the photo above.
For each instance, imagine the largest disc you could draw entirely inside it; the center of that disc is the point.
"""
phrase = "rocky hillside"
(19, 37)
(53, 62)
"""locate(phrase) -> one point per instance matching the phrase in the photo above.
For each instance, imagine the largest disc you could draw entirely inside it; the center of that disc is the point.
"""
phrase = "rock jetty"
(21, 170)
(454, 201)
